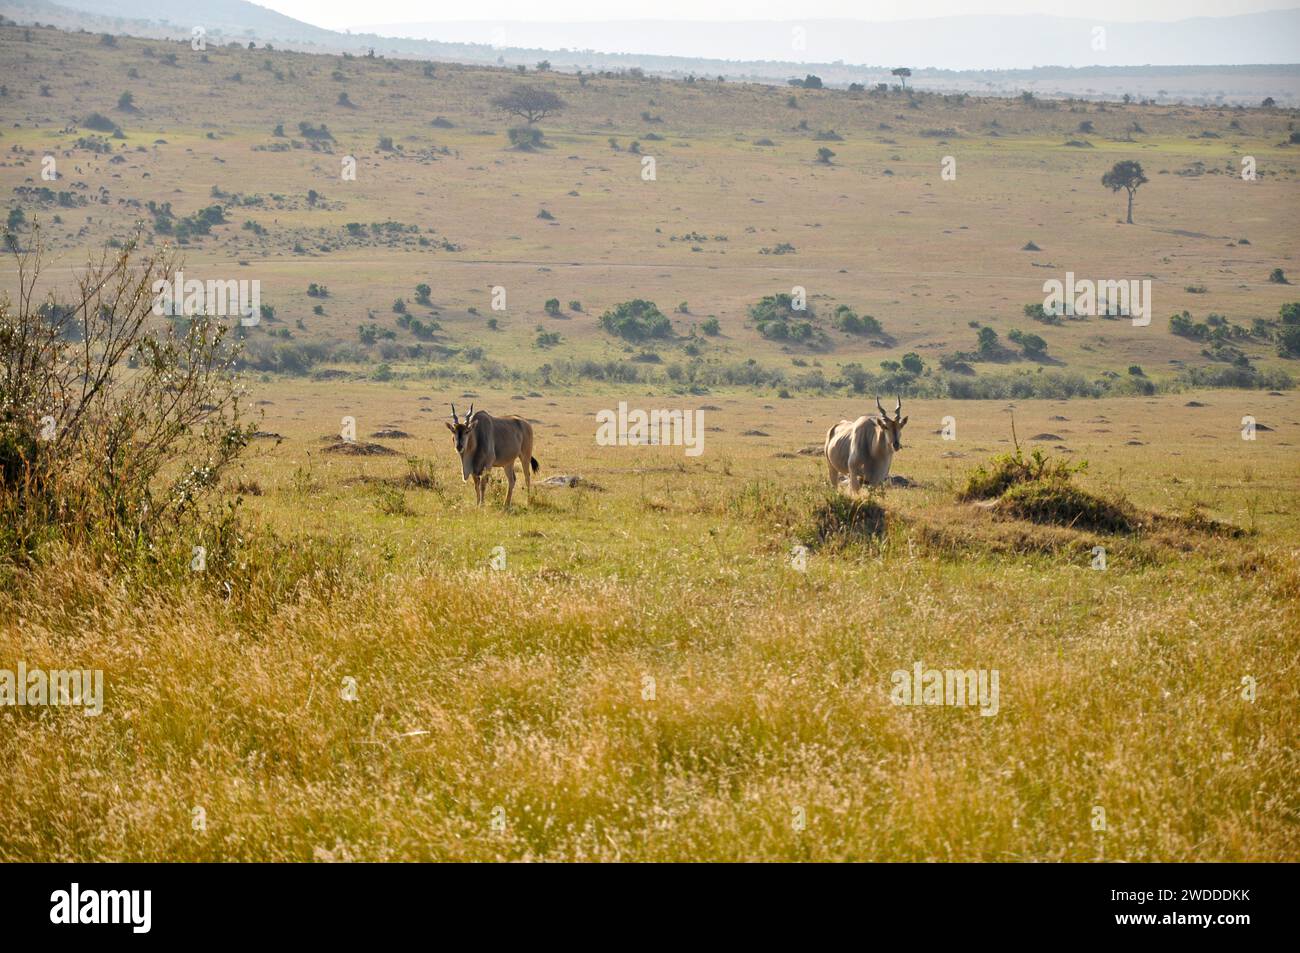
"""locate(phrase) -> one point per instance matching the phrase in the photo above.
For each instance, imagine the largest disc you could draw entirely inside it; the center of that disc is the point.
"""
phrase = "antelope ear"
(449, 426)
(902, 423)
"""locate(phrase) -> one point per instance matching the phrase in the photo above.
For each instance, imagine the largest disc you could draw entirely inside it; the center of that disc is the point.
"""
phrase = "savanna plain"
(657, 656)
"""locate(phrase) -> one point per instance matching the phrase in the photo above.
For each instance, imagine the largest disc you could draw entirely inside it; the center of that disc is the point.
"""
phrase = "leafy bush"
(1038, 313)
(777, 319)
(99, 123)
(1042, 490)
(525, 138)
(105, 420)
(636, 320)
(1288, 340)
(850, 322)
(1031, 344)
(992, 479)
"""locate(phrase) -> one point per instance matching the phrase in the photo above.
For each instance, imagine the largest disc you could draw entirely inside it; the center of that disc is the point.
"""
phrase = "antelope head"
(461, 434)
(893, 427)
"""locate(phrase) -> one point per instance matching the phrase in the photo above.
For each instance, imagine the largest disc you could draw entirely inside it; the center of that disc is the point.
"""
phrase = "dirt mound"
(392, 434)
(1061, 503)
(838, 519)
(359, 448)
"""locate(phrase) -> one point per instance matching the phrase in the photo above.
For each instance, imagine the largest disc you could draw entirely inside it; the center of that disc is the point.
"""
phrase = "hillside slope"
(738, 209)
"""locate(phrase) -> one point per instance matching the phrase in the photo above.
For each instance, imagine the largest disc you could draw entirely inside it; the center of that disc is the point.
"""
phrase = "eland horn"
(454, 418)
(880, 408)
(898, 406)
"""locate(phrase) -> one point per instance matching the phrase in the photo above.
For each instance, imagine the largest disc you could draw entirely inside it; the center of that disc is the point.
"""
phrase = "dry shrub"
(837, 520)
(114, 426)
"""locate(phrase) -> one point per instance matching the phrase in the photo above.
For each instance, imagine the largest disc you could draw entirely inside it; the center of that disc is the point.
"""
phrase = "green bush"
(525, 138)
(115, 429)
(777, 319)
(636, 320)
(990, 480)
(850, 322)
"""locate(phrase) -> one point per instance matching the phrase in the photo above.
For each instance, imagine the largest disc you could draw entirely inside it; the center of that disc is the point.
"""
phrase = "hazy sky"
(340, 14)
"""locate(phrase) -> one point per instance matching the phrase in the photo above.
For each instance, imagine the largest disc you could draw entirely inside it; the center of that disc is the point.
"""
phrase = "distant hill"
(1144, 60)
(952, 43)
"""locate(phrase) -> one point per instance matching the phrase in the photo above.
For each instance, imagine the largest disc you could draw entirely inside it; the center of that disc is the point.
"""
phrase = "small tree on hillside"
(529, 103)
(1125, 175)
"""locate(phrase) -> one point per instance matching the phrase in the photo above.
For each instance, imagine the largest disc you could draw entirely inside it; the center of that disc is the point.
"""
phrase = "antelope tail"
(536, 466)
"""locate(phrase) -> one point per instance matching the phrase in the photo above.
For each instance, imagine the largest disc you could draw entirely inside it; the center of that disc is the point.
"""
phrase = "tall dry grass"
(508, 715)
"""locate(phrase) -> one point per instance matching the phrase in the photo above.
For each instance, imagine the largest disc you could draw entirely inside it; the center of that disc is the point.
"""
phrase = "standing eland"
(865, 448)
(483, 442)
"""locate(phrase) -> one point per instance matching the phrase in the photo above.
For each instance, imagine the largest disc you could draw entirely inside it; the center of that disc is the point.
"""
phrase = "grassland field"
(878, 229)
(634, 667)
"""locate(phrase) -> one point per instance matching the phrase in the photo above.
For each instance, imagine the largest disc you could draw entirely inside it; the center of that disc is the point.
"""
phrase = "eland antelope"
(864, 448)
(483, 442)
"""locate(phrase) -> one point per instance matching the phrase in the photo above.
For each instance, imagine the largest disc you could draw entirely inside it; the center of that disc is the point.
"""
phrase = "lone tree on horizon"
(902, 73)
(529, 103)
(1125, 175)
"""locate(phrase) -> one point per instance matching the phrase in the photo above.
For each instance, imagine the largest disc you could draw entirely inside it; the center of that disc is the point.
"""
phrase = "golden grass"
(520, 695)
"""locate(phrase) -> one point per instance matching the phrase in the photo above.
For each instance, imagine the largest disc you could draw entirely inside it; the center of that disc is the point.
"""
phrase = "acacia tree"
(1125, 175)
(902, 73)
(529, 103)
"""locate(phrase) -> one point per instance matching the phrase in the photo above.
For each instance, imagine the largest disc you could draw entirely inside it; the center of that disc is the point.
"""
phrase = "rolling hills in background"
(1235, 59)
(235, 156)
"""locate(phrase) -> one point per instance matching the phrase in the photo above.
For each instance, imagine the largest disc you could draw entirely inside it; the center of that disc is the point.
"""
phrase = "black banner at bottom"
(141, 903)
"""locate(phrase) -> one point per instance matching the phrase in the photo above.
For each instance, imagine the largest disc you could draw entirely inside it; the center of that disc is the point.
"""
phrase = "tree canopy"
(529, 103)
(1125, 175)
